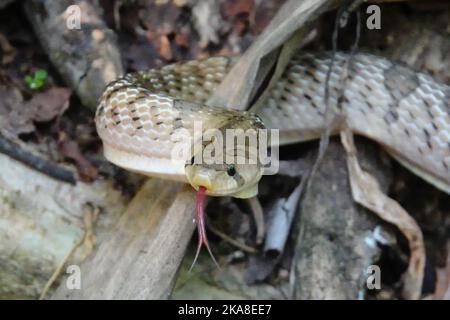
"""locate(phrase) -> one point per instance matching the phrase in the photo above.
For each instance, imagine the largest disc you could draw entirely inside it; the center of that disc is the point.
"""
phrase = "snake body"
(407, 112)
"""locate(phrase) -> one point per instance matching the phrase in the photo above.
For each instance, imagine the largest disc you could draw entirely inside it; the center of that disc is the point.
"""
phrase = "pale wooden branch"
(141, 256)
(40, 220)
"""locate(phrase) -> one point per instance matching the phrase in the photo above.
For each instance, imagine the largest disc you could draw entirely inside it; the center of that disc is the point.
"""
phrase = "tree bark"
(87, 58)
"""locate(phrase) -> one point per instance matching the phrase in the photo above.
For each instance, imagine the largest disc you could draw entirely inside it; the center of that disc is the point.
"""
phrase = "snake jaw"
(202, 180)
(200, 217)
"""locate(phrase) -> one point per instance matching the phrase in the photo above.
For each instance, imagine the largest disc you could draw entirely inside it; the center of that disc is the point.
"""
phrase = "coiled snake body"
(407, 112)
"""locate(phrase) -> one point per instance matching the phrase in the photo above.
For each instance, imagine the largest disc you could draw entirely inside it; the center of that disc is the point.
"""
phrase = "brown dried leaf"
(235, 7)
(8, 51)
(164, 47)
(366, 191)
(69, 149)
(182, 39)
(18, 116)
(47, 105)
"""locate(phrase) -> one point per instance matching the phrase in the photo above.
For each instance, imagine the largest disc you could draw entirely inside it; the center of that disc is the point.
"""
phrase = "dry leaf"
(7, 50)
(47, 105)
(69, 149)
(182, 39)
(164, 47)
(18, 116)
(235, 7)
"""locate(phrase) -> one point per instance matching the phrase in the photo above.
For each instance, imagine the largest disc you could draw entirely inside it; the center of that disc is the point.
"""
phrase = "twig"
(258, 215)
(341, 21)
(53, 170)
(230, 240)
(88, 237)
(58, 270)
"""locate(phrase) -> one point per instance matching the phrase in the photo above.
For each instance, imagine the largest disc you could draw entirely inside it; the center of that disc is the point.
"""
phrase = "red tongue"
(200, 216)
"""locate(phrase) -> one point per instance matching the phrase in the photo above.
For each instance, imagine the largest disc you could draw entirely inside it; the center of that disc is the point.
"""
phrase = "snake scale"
(405, 111)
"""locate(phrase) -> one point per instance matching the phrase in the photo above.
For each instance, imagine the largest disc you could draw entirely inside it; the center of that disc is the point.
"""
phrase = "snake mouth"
(202, 180)
(210, 190)
(207, 180)
(242, 193)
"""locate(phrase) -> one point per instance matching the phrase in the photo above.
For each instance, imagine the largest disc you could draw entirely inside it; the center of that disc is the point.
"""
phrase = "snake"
(143, 115)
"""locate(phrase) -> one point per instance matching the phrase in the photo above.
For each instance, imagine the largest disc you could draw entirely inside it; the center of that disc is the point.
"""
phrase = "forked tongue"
(200, 217)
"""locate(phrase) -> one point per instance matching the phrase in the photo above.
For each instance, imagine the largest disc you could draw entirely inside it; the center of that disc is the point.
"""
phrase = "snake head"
(230, 161)
(237, 178)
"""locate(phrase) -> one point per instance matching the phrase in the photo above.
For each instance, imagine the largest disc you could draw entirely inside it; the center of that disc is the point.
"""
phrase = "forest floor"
(41, 114)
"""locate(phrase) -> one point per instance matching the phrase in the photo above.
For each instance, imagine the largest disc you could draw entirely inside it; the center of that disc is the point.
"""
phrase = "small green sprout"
(36, 81)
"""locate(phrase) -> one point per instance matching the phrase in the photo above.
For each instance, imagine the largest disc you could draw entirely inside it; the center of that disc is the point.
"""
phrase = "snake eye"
(192, 160)
(231, 171)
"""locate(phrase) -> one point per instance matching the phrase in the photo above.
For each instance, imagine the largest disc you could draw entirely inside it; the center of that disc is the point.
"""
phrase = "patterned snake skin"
(407, 112)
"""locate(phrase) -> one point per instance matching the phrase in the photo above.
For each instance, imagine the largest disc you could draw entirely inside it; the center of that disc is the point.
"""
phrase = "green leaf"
(39, 83)
(40, 74)
(29, 79)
